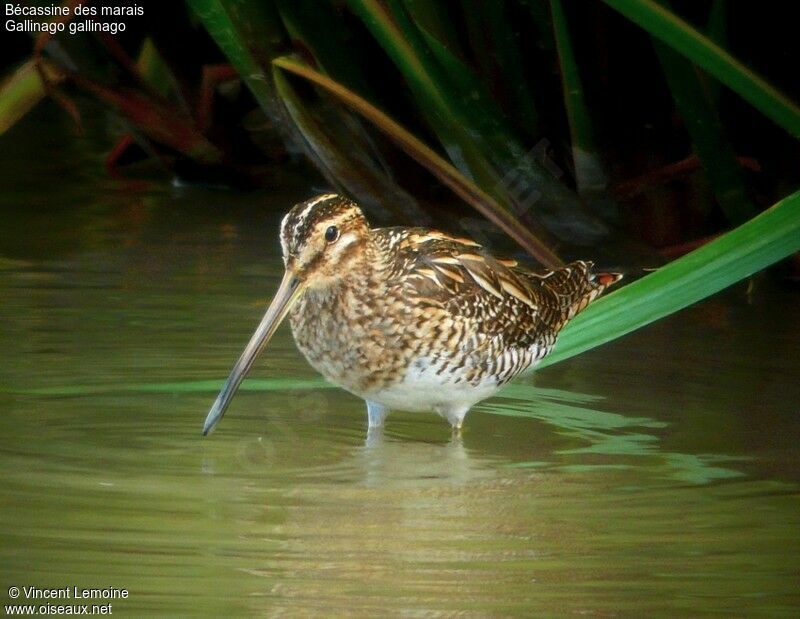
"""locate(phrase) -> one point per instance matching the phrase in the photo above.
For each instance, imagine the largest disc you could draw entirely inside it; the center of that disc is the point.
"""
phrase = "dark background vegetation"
(185, 112)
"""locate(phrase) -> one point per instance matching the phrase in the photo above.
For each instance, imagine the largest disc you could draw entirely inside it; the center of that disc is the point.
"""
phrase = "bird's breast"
(349, 337)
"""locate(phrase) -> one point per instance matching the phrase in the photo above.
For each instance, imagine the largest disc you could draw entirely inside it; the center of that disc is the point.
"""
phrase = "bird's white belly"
(424, 389)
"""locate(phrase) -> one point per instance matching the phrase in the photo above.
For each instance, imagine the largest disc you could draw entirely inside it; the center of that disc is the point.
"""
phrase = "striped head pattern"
(322, 238)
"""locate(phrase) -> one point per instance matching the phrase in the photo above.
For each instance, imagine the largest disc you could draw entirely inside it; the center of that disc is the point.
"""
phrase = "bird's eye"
(331, 234)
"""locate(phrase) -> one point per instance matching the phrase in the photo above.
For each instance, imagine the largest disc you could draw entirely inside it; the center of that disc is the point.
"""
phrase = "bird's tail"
(604, 279)
(596, 284)
(575, 286)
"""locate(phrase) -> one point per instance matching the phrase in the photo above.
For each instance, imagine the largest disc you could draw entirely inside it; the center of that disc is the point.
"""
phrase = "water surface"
(656, 476)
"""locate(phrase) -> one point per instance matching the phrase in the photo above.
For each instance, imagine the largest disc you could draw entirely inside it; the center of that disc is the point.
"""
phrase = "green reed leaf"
(762, 241)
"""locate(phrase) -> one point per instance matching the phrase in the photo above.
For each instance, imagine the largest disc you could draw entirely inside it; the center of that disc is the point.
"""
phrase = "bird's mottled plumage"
(416, 319)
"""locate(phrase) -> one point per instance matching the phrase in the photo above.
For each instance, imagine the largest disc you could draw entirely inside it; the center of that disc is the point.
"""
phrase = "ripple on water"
(647, 477)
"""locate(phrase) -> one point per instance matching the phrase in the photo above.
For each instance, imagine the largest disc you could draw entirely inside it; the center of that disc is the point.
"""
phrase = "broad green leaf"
(762, 241)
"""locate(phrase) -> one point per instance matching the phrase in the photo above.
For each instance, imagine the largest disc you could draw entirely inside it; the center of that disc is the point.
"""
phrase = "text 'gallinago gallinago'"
(410, 318)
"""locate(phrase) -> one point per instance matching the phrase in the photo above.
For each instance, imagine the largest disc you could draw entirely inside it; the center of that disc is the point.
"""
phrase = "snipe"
(410, 318)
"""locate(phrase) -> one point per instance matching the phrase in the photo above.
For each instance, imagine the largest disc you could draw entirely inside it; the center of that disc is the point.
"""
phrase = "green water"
(656, 476)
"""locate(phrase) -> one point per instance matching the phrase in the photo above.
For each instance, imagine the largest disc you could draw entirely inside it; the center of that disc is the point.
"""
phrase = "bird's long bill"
(288, 292)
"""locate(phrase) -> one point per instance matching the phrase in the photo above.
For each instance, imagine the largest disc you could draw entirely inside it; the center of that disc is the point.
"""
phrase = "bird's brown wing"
(499, 296)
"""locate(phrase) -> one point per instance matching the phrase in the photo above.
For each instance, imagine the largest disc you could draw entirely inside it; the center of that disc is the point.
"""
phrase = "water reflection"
(601, 439)
(388, 461)
(618, 438)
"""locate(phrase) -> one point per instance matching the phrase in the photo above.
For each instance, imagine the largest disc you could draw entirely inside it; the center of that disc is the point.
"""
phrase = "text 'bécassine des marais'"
(58, 18)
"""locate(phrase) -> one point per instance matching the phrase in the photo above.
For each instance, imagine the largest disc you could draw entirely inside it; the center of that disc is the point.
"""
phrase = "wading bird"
(410, 318)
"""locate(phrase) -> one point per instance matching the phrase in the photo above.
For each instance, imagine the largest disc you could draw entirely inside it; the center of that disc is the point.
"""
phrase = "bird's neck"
(367, 273)
(377, 263)
(362, 277)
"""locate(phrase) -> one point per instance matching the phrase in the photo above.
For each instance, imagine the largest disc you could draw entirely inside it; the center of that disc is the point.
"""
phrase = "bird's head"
(322, 240)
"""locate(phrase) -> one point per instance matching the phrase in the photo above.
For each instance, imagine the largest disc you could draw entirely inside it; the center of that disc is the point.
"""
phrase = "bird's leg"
(374, 437)
(455, 415)
(376, 413)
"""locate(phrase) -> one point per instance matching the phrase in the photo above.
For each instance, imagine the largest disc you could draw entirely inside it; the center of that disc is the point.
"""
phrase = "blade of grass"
(555, 205)
(160, 120)
(762, 241)
(392, 27)
(321, 37)
(190, 386)
(696, 106)
(687, 41)
(717, 29)
(250, 34)
(445, 172)
(477, 141)
(22, 90)
(461, 79)
(153, 70)
(702, 122)
(494, 42)
(339, 154)
(436, 18)
(590, 177)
